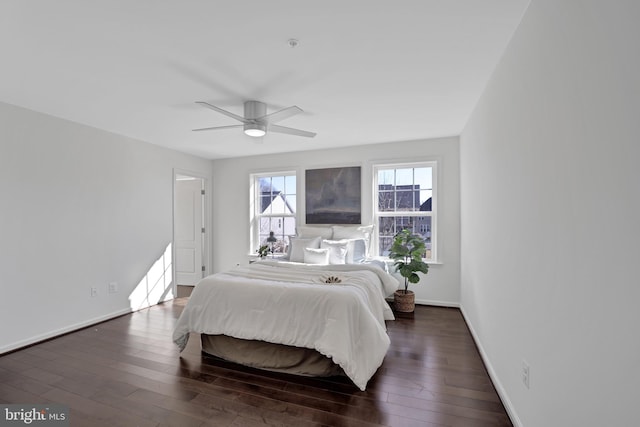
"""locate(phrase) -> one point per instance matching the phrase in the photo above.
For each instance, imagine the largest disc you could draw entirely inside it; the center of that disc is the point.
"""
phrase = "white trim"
(435, 164)
(58, 332)
(436, 303)
(492, 374)
(254, 214)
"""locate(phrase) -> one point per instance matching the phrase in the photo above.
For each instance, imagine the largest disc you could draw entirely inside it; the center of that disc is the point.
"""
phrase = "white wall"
(79, 208)
(231, 202)
(550, 209)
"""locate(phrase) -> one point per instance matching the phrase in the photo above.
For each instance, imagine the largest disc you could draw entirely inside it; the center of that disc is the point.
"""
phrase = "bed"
(294, 317)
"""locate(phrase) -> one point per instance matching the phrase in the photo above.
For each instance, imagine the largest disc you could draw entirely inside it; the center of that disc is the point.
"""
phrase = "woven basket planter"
(404, 303)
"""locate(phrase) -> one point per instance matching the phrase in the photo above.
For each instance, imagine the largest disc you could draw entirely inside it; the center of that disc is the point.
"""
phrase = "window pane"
(264, 225)
(277, 225)
(265, 204)
(276, 195)
(385, 245)
(281, 245)
(405, 189)
(386, 177)
(404, 176)
(278, 206)
(390, 226)
(422, 177)
(273, 198)
(290, 184)
(406, 198)
(424, 229)
(386, 226)
(402, 222)
(277, 184)
(289, 226)
(425, 200)
(290, 201)
(265, 185)
(386, 201)
(386, 231)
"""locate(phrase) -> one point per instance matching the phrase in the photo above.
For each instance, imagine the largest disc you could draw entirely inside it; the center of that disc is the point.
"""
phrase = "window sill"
(254, 257)
(390, 262)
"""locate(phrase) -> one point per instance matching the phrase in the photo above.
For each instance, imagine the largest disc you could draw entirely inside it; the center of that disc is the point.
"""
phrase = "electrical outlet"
(113, 287)
(94, 292)
(525, 373)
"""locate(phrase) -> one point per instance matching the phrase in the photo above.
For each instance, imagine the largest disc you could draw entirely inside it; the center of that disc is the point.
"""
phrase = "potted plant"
(407, 250)
(263, 251)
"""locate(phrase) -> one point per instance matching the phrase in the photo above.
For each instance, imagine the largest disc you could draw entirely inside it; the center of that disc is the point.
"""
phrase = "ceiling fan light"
(255, 130)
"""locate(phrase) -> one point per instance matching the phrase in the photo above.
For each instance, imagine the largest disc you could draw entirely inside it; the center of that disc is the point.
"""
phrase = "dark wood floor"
(127, 372)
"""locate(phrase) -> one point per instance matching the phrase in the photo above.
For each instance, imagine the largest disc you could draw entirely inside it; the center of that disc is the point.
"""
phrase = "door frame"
(206, 219)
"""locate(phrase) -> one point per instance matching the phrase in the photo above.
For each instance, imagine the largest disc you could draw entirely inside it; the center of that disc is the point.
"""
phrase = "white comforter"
(289, 303)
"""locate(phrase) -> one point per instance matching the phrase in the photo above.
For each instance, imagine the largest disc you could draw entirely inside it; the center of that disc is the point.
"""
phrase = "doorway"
(190, 230)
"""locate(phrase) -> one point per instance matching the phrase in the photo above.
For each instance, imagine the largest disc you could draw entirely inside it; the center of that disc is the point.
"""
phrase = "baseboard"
(432, 302)
(56, 333)
(438, 303)
(492, 374)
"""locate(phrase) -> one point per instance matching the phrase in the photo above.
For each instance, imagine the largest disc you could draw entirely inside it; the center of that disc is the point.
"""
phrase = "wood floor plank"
(97, 410)
(126, 371)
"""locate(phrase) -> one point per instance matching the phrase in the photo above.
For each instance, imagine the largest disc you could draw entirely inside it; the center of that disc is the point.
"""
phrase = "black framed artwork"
(333, 196)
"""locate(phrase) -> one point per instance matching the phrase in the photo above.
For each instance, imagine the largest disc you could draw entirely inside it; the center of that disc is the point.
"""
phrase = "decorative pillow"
(356, 251)
(337, 250)
(297, 246)
(354, 232)
(316, 256)
(311, 231)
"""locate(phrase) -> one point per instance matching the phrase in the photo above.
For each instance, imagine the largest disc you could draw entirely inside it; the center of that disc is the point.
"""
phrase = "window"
(405, 199)
(274, 209)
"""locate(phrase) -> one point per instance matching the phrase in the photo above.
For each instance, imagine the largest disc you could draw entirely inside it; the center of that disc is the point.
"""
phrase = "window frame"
(255, 203)
(433, 214)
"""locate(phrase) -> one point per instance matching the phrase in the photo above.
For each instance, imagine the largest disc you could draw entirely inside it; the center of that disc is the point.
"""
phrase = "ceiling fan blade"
(277, 116)
(220, 110)
(291, 131)
(218, 127)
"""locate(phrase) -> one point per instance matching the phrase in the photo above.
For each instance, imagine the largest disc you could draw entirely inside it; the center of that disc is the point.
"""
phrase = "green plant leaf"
(407, 250)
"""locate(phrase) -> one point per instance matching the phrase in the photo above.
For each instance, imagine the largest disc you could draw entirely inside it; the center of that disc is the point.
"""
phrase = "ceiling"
(364, 71)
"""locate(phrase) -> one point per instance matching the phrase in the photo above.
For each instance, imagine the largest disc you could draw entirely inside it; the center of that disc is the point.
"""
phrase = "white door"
(188, 230)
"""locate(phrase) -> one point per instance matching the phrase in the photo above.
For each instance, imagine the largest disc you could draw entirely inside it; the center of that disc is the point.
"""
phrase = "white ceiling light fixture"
(256, 122)
(253, 111)
(255, 130)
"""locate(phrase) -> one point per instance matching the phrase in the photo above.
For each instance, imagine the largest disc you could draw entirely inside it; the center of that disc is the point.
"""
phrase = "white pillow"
(316, 256)
(356, 251)
(337, 250)
(297, 246)
(311, 231)
(354, 232)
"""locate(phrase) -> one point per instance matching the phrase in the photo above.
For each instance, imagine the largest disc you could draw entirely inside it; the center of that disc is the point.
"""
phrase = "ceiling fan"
(256, 122)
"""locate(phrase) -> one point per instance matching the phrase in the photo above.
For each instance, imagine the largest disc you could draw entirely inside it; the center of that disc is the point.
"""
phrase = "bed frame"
(270, 356)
